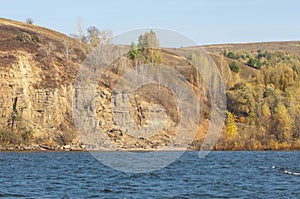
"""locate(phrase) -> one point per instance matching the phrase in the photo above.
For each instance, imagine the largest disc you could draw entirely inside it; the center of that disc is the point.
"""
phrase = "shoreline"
(135, 150)
(84, 148)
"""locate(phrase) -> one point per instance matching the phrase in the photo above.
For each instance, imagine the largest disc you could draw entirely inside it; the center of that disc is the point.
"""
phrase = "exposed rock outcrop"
(37, 96)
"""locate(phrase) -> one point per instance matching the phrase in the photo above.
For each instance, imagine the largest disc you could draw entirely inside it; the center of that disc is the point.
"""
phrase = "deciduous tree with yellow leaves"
(231, 127)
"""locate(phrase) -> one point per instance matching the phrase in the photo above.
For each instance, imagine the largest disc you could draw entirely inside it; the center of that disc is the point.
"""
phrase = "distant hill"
(287, 46)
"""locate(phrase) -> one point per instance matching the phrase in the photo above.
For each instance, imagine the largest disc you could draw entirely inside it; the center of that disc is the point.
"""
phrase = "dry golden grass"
(51, 34)
(288, 46)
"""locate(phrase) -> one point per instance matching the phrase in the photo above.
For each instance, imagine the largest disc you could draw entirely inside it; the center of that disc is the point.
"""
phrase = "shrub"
(253, 62)
(24, 37)
(27, 136)
(35, 38)
(234, 67)
(8, 137)
(231, 55)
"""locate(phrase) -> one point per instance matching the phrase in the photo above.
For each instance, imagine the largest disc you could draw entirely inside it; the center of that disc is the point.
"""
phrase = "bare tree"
(67, 51)
(96, 36)
(105, 36)
(47, 49)
(80, 28)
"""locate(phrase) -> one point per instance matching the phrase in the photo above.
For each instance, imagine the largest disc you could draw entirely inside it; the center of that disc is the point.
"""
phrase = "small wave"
(65, 197)
(107, 190)
(4, 195)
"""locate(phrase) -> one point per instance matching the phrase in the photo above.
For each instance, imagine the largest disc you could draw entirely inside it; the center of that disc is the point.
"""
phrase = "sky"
(204, 21)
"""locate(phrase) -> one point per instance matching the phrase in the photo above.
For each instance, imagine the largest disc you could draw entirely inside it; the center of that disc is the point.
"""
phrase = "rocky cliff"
(38, 68)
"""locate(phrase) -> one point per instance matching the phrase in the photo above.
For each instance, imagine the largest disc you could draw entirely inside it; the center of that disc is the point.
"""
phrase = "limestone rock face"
(38, 68)
(36, 83)
(26, 105)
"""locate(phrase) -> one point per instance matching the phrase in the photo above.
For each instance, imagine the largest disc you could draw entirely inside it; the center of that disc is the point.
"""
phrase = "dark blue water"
(218, 175)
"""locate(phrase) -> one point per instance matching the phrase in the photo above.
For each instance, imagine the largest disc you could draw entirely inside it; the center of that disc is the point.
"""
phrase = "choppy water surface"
(218, 175)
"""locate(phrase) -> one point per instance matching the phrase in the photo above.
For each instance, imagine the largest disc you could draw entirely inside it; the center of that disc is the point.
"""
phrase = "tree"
(266, 116)
(231, 55)
(253, 62)
(286, 77)
(48, 51)
(242, 99)
(234, 67)
(105, 36)
(294, 108)
(147, 48)
(67, 50)
(96, 36)
(81, 36)
(29, 21)
(148, 40)
(231, 128)
(133, 52)
(282, 123)
(93, 35)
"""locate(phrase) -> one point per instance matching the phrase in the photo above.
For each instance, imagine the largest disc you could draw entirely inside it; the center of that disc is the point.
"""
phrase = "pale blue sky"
(205, 21)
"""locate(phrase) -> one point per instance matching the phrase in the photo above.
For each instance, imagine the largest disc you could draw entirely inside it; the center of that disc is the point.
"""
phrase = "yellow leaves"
(283, 123)
(274, 145)
(266, 116)
(266, 111)
(242, 120)
(284, 146)
(257, 145)
(49, 142)
(231, 128)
